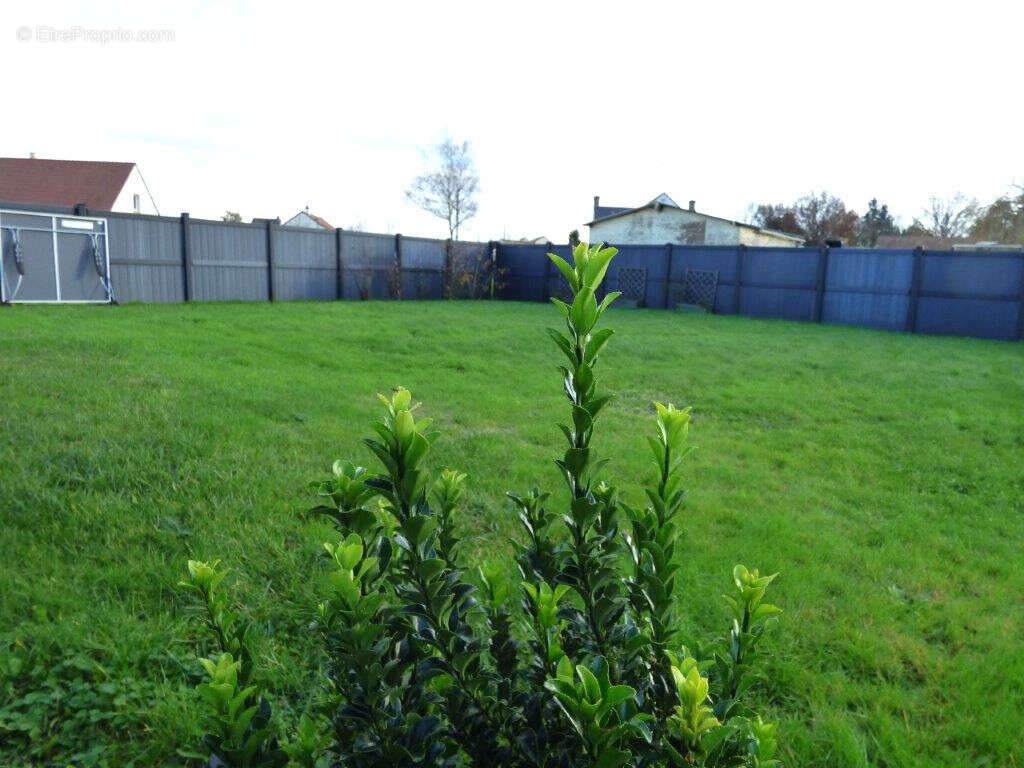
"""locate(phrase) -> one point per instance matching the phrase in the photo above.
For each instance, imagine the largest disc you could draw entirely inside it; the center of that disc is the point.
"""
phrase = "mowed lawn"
(881, 474)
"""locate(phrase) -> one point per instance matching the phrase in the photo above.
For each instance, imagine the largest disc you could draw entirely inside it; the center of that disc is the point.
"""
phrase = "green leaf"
(612, 757)
(562, 306)
(564, 669)
(616, 694)
(596, 344)
(567, 272)
(592, 687)
(431, 567)
(598, 265)
(607, 300)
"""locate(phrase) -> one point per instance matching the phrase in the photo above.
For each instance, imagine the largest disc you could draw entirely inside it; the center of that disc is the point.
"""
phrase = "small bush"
(580, 663)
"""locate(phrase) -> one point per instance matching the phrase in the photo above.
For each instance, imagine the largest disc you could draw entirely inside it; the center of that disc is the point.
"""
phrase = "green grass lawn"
(881, 474)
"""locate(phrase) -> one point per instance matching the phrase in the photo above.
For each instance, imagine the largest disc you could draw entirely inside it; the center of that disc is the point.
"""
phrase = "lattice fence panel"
(700, 287)
(633, 283)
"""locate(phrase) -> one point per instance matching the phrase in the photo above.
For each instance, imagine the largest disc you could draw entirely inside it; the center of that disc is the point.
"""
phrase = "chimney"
(31, 155)
(597, 202)
(693, 205)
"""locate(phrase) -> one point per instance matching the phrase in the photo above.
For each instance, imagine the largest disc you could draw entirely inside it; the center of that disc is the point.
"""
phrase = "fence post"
(819, 284)
(1020, 305)
(398, 267)
(270, 258)
(668, 274)
(339, 283)
(548, 266)
(741, 253)
(915, 290)
(186, 257)
(447, 279)
(492, 252)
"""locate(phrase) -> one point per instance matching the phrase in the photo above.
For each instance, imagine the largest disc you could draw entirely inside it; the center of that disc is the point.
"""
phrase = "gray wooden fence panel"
(229, 261)
(368, 265)
(423, 264)
(304, 264)
(145, 259)
(423, 253)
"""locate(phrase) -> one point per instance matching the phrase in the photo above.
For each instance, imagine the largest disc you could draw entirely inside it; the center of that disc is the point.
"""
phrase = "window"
(135, 202)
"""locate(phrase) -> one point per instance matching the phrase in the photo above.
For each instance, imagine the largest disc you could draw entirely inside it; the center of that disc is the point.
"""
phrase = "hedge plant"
(577, 662)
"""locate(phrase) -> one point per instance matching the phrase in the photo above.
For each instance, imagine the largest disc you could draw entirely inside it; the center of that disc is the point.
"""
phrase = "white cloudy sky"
(264, 109)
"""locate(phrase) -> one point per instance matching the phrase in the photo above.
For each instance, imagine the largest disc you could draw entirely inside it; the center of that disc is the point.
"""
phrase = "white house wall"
(750, 236)
(125, 202)
(302, 219)
(682, 227)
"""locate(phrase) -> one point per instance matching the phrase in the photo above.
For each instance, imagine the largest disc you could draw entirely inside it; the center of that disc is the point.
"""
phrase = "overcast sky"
(264, 109)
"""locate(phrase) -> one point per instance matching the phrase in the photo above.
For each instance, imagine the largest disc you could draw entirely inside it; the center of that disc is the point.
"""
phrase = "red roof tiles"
(62, 182)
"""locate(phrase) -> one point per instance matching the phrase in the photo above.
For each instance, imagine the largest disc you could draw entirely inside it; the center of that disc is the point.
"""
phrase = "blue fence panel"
(779, 282)
(653, 259)
(868, 287)
(786, 303)
(968, 317)
(781, 267)
(863, 270)
(972, 274)
(873, 310)
(522, 272)
(714, 258)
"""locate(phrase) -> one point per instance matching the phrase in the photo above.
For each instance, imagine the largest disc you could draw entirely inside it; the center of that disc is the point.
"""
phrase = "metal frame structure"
(8, 296)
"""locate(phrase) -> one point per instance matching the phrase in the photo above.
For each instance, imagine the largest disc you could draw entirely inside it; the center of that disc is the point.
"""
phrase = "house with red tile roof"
(99, 185)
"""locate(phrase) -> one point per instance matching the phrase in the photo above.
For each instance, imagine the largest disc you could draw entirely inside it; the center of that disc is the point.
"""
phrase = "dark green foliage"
(590, 672)
(1002, 221)
(875, 222)
(52, 713)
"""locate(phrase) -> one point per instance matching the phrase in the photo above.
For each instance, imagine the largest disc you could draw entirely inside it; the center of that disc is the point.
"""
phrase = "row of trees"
(821, 217)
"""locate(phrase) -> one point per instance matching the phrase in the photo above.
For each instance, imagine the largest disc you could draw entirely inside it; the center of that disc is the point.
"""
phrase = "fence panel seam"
(668, 275)
(819, 298)
(915, 289)
(339, 285)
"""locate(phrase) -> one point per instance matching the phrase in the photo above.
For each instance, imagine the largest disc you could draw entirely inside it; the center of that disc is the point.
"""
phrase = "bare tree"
(449, 190)
(952, 217)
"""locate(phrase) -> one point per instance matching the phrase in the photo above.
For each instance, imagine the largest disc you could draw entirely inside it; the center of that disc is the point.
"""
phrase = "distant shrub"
(470, 274)
(579, 664)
